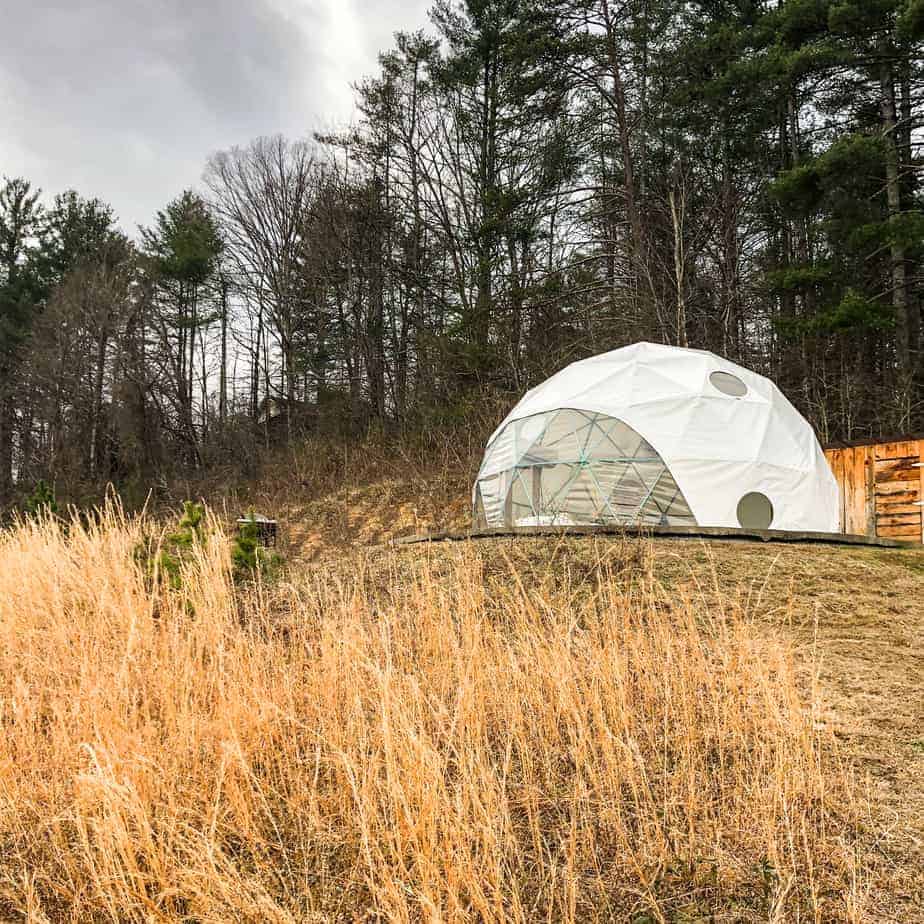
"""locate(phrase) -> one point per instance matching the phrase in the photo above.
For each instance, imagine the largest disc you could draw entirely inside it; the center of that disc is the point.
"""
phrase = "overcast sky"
(125, 99)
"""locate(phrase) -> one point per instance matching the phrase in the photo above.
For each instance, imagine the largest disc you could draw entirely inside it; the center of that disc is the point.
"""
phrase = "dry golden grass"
(430, 743)
(330, 493)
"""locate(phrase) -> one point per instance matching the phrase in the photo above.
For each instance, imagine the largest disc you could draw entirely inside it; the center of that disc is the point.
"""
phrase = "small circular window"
(728, 384)
(755, 511)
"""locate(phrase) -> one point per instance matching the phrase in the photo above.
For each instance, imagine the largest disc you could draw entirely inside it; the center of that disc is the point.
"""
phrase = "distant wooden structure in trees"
(882, 488)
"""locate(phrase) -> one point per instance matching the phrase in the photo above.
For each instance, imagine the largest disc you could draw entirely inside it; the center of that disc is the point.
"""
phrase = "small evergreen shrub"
(164, 560)
(248, 557)
(42, 501)
(190, 532)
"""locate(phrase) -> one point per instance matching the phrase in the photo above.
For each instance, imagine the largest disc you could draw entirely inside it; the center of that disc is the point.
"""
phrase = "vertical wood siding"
(882, 489)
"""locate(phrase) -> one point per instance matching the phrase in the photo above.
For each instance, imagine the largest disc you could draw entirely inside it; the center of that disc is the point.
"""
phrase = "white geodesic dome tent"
(653, 434)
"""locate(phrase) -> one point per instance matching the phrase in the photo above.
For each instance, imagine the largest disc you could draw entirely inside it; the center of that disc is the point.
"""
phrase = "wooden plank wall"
(882, 488)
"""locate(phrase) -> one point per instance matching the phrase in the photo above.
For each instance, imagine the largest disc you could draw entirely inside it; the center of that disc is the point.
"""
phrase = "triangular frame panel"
(577, 467)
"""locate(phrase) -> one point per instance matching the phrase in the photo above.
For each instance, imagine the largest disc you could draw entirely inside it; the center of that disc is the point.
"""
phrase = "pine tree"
(854, 190)
(21, 219)
(183, 250)
(42, 502)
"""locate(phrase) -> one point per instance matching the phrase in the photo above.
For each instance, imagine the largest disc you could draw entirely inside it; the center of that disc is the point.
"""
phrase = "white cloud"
(126, 99)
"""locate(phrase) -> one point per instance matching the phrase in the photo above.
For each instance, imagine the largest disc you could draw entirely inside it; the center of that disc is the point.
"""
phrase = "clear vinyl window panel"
(572, 467)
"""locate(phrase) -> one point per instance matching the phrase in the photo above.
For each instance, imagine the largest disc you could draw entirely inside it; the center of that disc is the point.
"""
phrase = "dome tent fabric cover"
(658, 435)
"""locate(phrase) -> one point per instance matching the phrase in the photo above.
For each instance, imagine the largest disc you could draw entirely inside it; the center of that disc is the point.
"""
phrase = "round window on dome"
(755, 511)
(728, 384)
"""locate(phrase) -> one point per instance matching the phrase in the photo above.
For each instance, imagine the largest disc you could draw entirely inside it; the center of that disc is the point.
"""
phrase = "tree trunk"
(488, 179)
(906, 168)
(6, 444)
(731, 341)
(96, 425)
(636, 227)
(894, 197)
(678, 204)
(223, 374)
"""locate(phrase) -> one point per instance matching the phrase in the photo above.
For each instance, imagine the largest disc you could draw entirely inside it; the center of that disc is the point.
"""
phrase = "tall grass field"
(404, 742)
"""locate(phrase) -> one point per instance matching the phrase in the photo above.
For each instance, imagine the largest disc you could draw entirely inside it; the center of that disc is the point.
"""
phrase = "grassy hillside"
(334, 494)
(512, 730)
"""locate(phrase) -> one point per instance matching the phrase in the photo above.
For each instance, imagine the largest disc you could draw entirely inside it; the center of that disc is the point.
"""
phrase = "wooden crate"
(882, 488)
